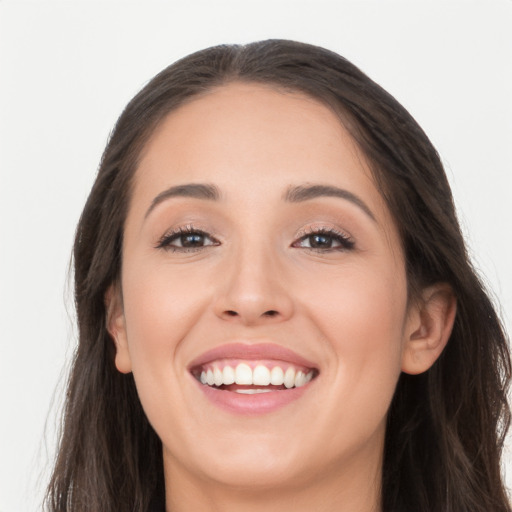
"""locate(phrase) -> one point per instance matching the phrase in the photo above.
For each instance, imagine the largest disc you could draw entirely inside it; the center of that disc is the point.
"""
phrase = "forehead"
(256, 132)
(253, 142)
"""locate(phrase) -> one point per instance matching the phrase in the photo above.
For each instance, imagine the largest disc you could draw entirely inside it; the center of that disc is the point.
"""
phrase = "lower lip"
(258, 403)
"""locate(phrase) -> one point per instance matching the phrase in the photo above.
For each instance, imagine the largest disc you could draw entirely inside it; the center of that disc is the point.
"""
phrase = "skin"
(346, 309)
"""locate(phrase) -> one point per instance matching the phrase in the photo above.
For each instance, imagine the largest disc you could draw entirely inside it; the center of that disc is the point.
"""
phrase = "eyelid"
(323, 228)
(347, 242)
(164, 241)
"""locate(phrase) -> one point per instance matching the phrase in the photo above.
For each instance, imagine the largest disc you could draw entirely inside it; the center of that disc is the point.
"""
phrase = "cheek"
(368, 320)
(361, 316)
(162, 305)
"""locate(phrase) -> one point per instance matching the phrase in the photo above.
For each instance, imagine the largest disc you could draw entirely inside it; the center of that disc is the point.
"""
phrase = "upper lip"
(251, 352)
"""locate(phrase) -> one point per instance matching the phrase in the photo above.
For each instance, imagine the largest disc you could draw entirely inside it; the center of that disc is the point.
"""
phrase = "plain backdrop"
(68, 68)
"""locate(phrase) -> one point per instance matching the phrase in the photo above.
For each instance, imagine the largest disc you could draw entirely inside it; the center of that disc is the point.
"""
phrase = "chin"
(248, 463)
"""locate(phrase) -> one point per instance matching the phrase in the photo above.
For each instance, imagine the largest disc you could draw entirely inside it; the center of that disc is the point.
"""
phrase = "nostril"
(231, 313)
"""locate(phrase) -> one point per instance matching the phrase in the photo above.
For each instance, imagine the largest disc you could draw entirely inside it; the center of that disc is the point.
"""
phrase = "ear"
(116, 326)
(428, 328)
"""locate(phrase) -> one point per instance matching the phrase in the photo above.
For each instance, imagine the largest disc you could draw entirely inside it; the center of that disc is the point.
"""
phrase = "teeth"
(261, 376)
(228, 375)
(252, 391)
(243, 374)
(289, 378)
(217, 377)
(277, 376)
(300, 379)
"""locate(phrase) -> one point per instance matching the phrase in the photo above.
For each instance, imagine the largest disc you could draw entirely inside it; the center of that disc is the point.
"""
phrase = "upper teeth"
(260, 376)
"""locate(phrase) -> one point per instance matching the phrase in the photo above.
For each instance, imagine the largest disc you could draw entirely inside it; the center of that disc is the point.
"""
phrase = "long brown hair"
(445, 427)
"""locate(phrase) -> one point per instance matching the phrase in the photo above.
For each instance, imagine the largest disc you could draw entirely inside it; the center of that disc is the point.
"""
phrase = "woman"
(275, 304)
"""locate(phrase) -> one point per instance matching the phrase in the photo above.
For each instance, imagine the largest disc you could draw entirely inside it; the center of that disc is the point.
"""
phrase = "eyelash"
(345, 242)
(168, 238)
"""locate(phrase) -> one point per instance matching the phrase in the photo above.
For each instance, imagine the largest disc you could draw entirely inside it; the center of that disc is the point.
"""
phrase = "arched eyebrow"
(294, 194)
(300, 193)
(195, 190)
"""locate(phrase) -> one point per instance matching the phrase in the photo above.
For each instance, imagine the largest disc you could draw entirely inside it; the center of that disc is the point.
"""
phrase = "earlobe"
(116, 327)
(428, 329)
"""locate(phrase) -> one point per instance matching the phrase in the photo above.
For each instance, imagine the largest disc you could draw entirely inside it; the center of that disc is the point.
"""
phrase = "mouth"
(252, 378)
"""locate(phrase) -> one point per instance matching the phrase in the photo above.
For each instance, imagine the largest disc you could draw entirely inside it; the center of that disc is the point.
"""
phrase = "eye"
(186, 239)
(325, 240)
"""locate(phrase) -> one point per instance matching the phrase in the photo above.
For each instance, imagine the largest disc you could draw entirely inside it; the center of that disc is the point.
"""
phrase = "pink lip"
(257, 403)
(252, 404)
(251, 352)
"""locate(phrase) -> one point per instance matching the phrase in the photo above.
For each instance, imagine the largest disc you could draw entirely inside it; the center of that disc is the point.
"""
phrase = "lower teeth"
(252, 391)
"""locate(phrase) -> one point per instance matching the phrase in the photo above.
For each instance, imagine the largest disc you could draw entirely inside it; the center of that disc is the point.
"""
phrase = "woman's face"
(256, 239)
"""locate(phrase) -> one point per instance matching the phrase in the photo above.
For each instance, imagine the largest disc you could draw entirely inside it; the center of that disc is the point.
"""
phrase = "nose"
(254, 290)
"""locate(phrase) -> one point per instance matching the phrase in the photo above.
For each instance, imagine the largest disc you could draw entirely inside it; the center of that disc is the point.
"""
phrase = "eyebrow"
(300, 193)
(195, 190)
(294, 194)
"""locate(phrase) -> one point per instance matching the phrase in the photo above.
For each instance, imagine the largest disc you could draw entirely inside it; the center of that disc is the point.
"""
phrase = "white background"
(67, 69)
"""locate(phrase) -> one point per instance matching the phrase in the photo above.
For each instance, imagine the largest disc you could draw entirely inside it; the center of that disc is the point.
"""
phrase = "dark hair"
(445, 427)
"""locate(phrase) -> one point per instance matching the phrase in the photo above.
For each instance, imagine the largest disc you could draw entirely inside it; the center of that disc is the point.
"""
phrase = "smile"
(252, 378)
(255, 377)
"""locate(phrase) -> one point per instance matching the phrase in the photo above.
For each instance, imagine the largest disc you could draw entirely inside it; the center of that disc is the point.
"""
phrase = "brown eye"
(321, 241)
(186, 240)
(191, 240)
(325, 240)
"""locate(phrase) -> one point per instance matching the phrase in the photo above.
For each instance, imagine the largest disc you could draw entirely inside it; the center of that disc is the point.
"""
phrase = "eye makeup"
(322, 239)
(186, 239)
